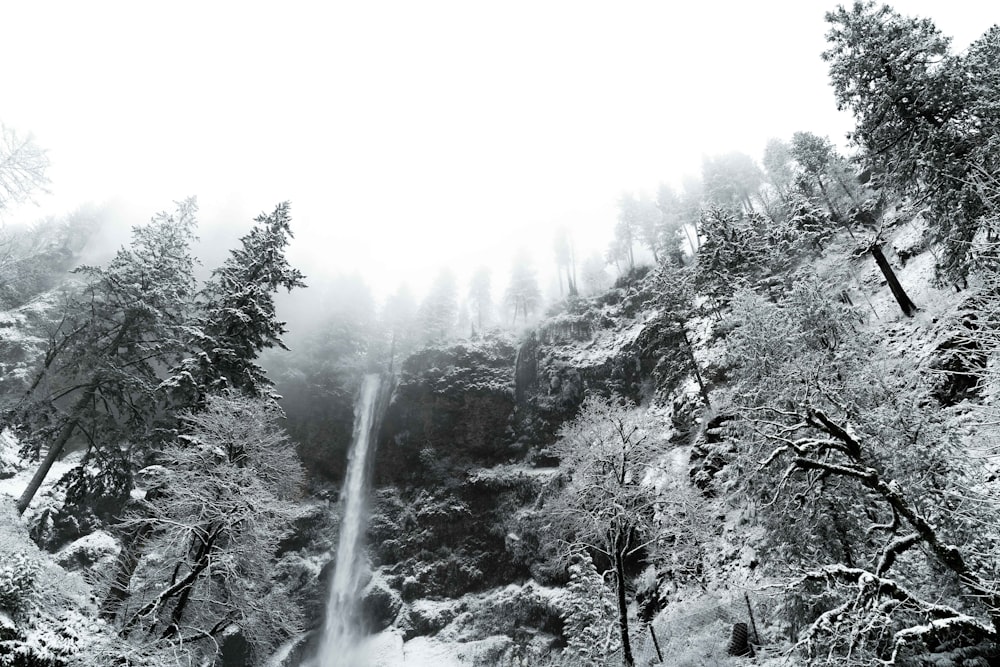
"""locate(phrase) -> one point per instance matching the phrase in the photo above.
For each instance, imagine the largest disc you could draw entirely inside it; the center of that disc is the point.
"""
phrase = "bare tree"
(820, 451)
(227, 497)
(605, 509)
(22, 167)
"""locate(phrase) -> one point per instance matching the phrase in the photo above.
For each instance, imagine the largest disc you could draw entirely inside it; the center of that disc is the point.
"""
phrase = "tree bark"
(619, 558)
(697, 373)
(902, 299)
(55, 449)
(125, 564)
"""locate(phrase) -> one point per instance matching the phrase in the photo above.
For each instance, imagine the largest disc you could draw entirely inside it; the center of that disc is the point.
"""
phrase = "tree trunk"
(693, 241)
(571, 271)
(55, 449)
(697, 373)
(627, 658)
(902, 299)
(829, 202)
(844, 187)
(125, 564)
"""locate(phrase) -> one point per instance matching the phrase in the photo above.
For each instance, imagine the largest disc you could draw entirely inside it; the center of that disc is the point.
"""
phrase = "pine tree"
(565, 260)
(398, 316)
(731, 181)
(439, 310)
(481, 298)
(522, 295)
(628, 229)
(124, 323)
(237, 318)
(925, 116)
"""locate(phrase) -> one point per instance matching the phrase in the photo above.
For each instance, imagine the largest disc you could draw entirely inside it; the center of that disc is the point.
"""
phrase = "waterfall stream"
(342, 630)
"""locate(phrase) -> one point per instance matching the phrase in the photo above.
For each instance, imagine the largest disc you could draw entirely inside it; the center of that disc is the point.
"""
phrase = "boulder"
(428, 617)
(96, 549)
(379, 604)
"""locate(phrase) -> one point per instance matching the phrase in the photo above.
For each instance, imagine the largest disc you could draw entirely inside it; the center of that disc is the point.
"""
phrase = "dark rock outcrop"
(379, 605)
(450, 412)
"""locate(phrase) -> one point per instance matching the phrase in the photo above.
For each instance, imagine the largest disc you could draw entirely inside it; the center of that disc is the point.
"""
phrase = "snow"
(98, 548)
(10, 461)
(428, 651)
(14, 486)
(605, 345)
(910, 237)
(387, 649)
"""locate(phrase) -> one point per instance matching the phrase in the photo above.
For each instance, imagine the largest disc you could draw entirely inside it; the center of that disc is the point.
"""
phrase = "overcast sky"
(416, 133)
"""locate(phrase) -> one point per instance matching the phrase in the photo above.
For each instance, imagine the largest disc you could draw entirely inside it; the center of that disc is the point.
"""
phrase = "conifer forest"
(759, 425)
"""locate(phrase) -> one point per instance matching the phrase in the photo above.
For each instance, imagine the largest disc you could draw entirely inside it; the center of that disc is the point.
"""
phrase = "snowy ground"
(14, 486)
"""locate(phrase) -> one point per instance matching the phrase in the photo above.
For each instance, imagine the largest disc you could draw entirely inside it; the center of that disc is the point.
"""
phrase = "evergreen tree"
(650, 225)
(399, 314)
(522, 295)
(821, 166)
(565, 260)
(924, 115)
(667, 338)
(627, 231)
(778, 167)
(237, 319)
(234, 322)
(594, 274)
(481, 298)
(439, 311)
(672, 226)
(121, 326)
(731, 181)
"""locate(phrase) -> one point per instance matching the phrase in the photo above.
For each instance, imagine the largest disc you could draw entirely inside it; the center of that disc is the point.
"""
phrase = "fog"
(409, 136)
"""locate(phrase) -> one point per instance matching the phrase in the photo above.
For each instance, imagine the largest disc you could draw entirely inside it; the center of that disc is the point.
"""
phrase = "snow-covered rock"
(96, 549)
(10, 461)
(379, 603)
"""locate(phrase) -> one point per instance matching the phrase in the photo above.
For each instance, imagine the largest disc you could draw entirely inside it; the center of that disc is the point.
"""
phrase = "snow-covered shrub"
(10, 462)
(17, 581)
(590, 622)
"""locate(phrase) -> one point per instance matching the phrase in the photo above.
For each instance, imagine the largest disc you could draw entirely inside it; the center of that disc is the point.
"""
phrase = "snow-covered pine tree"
(101, 370)
(237, 319)
(589, 614)
(522, 295)
(438, 311)
(925, 116)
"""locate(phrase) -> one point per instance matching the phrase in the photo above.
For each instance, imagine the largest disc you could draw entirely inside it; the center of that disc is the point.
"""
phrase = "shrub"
(17, 581)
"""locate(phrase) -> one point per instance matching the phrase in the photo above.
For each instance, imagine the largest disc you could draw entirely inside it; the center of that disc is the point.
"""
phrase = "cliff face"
(463, 447)
(451, 411)
(463, 460)
(593, 345)
(499, 401)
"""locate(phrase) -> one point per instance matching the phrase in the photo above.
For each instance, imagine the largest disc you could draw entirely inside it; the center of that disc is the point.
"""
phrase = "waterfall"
(341, 630)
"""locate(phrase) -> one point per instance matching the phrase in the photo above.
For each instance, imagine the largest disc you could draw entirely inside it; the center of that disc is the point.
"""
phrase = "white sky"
(412, 134)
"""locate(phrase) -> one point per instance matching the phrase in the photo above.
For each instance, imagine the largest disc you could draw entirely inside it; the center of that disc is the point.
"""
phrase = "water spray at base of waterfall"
(342, 629)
